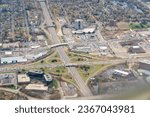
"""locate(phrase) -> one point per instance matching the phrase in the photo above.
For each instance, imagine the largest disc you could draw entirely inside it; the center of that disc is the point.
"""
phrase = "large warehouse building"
(8, 60)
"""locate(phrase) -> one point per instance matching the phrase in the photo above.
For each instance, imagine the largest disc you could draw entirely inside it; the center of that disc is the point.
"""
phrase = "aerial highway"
(69, 65)
(55, 40)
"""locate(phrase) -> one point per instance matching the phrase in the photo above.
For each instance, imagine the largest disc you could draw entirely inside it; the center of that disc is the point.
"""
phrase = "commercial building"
(48, 78)
(23, 79)
(8, 52)
(144, 64)
(130, 42)
(85, 31)
(38, 74)
(78, 24)
(36, 87)
(123, 75)
(120, 72)
(136, 49)
(7, 79)
(8, 60)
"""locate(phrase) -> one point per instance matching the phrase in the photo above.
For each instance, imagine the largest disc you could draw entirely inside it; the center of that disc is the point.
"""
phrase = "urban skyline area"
(74, 49)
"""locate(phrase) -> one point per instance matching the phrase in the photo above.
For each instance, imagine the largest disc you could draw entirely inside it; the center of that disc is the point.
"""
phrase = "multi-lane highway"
(15, 67)
(52, 65)
(54, 39)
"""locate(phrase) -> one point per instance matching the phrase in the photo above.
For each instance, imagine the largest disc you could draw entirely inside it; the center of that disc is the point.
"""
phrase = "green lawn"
(138, 26)
(59, 71)
(93, 70)
(54, 58)
(55, 83)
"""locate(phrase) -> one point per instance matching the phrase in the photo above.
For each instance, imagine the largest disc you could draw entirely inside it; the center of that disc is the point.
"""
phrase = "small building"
(78, 24)
(23, 79)
(41, 37)
(119, 74)
(9, 60)
(130, 42)
(35, 56)
(8, 52)
(48, 78)
(144, 64)
(36, 87)
(123, 75)
(136, 49)
(7, 79)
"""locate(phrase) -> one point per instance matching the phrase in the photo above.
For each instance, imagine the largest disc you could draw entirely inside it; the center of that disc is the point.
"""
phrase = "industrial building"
(144, 64)
(130, 42)
(7, 79)
(9, 60)
(120, 74)
(36, 87)
(136, 49)
(23, 79)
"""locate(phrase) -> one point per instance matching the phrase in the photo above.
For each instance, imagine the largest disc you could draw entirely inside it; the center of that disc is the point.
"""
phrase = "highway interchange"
(54, 39)
(71, 66)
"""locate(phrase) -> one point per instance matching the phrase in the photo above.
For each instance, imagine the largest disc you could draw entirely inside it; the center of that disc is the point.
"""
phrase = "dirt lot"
(10, 96)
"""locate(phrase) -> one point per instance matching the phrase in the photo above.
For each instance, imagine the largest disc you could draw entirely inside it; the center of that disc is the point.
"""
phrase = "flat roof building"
(23, 78)
(37, 74)
(36, 87)
(144, 64)
(136, 49)
(7, 79)
(8, 60)
(78, 24)
(120, 72)
(85, 31)
(48, 77)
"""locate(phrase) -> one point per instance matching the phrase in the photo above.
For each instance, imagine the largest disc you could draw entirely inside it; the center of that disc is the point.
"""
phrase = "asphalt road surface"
(54, 39)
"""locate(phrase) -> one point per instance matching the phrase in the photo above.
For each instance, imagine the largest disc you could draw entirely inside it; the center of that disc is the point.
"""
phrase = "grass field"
(93, 70)
(138, 26)
(123, 25)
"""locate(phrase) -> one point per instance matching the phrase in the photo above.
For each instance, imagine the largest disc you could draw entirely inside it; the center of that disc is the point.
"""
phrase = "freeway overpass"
(57, 45)
(37, 48)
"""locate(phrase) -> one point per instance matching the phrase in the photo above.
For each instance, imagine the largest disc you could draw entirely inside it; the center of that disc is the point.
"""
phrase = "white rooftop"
(22, 78)
(10, 59)
(136, 47)
(37, 87)
(85, 30)
(78, 20)
(122, 72)
(145, 61)
(48, 77)
(103, 47)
